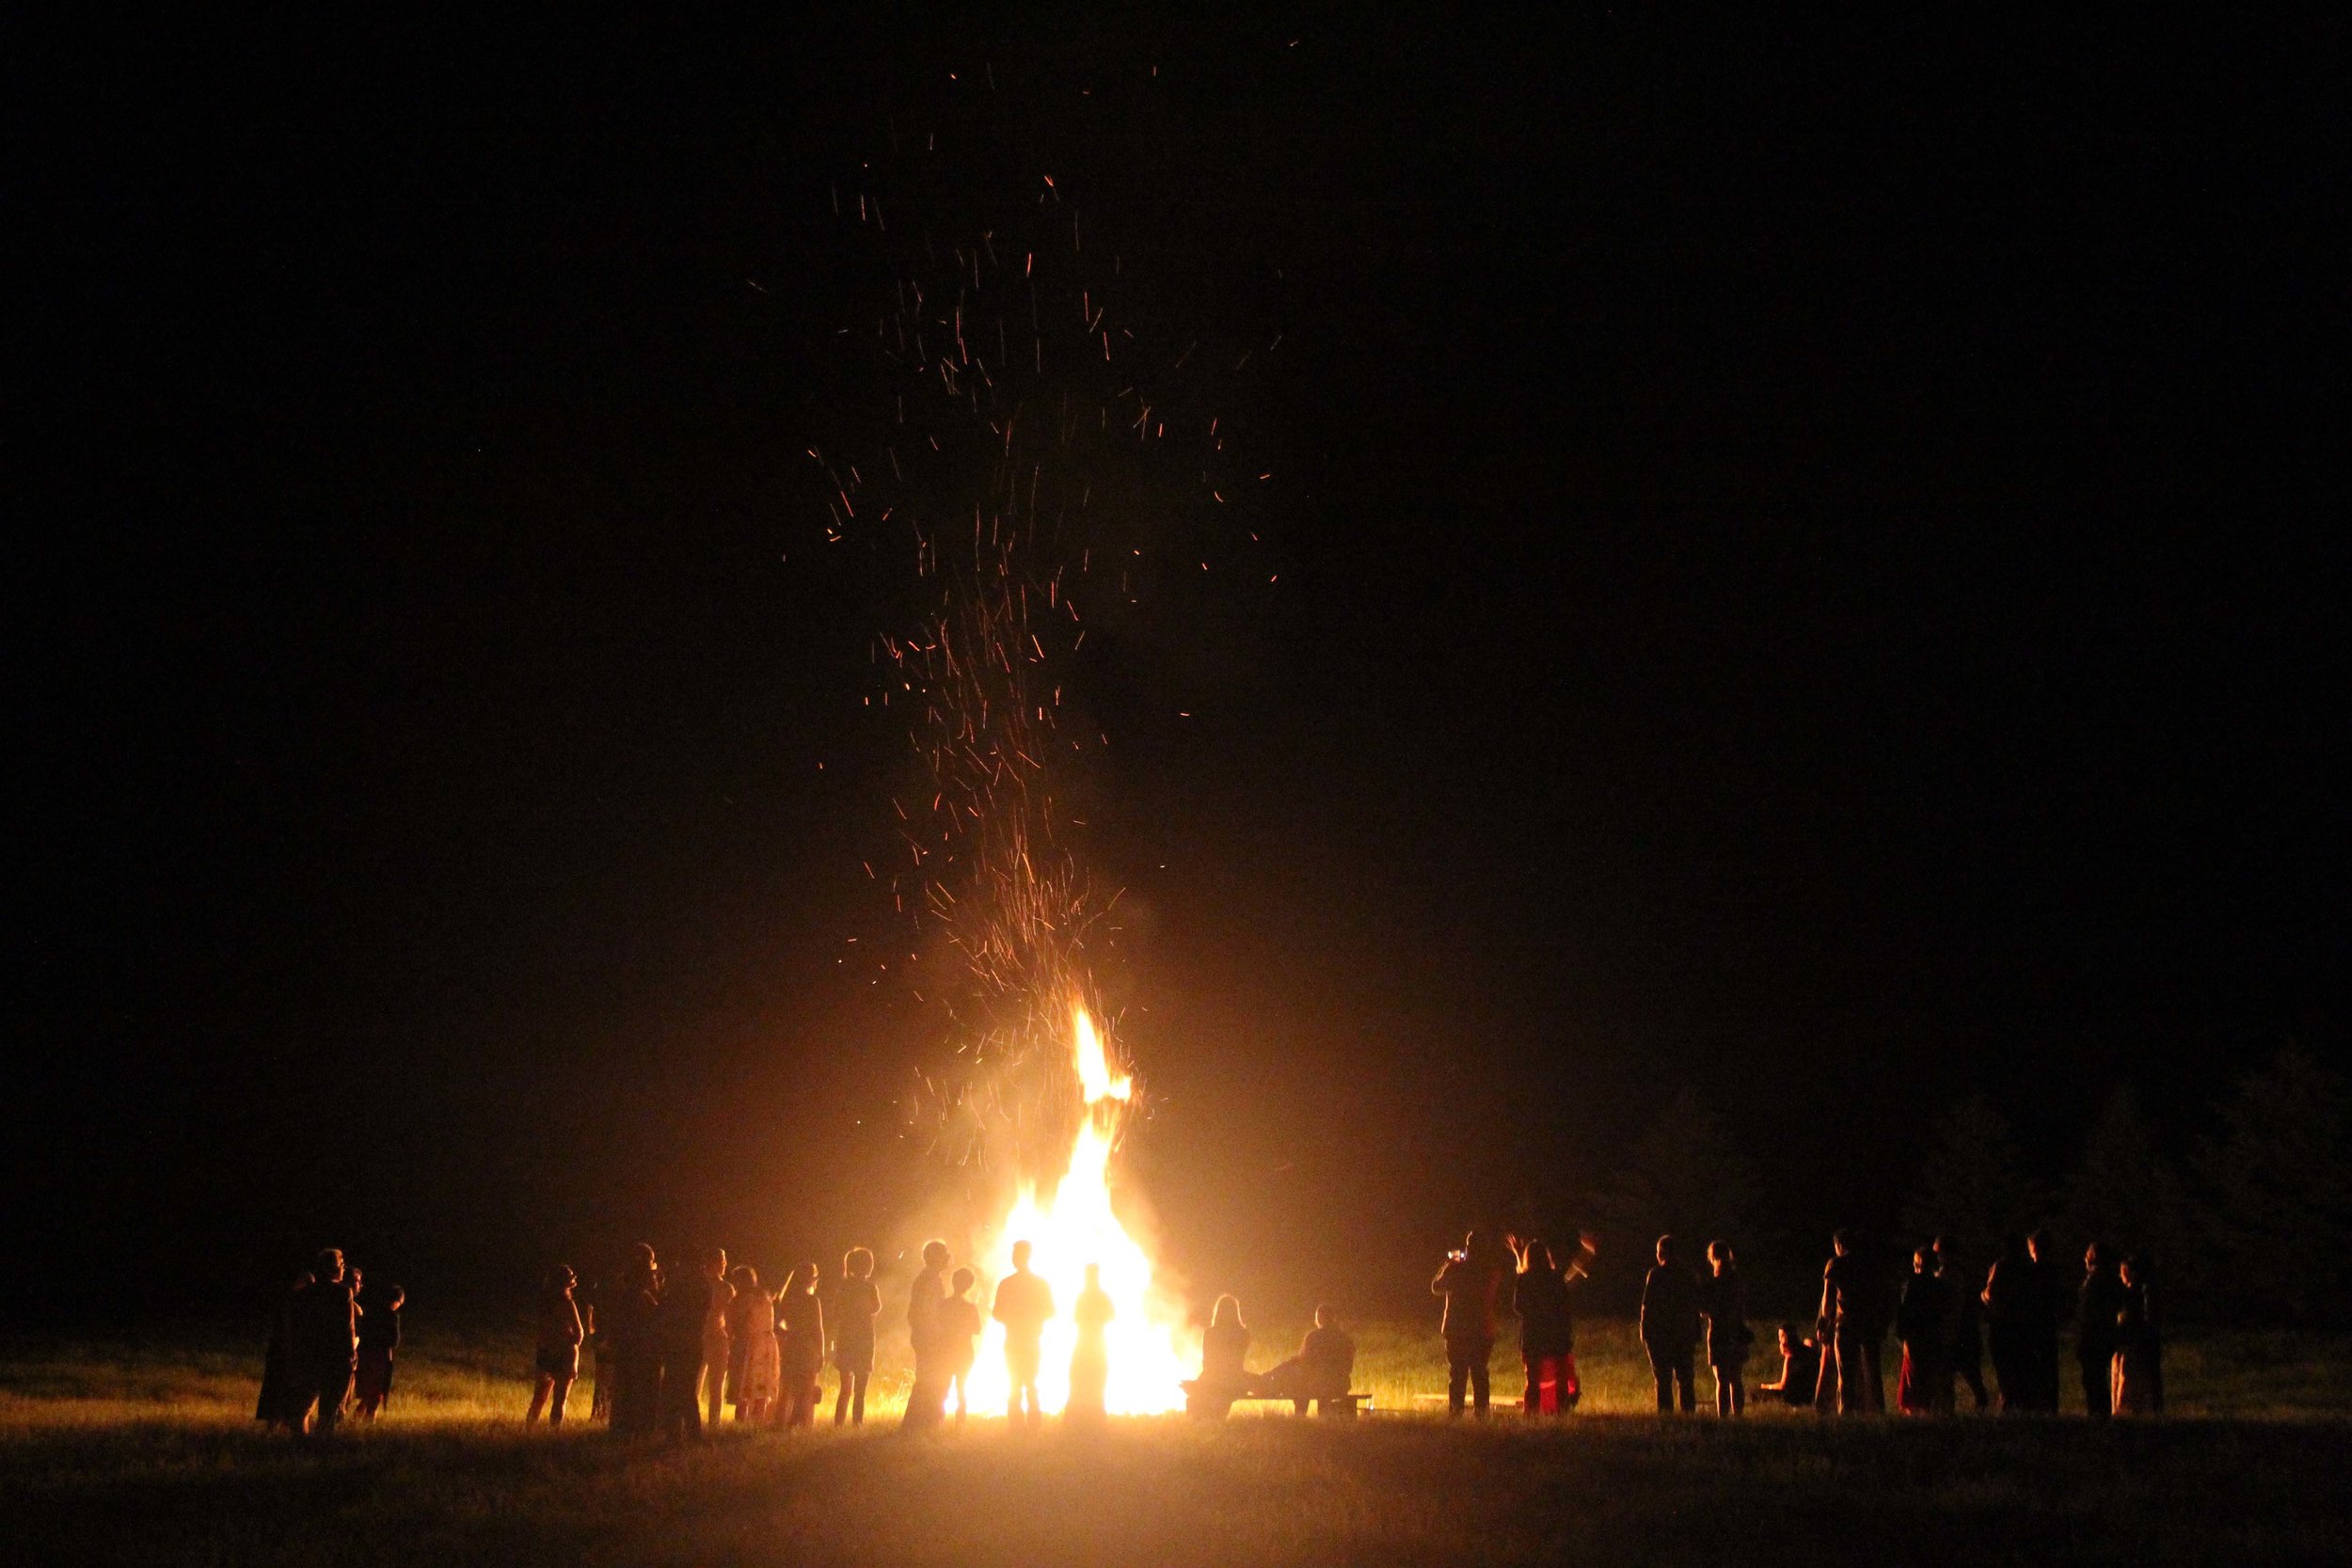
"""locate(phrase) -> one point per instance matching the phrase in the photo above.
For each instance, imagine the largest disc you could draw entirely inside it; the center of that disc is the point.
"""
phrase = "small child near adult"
(959, 1329)
(379, 1337)
(855, 1305)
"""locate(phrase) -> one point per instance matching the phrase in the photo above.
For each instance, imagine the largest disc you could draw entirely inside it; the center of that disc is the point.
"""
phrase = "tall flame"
(1074, 1226)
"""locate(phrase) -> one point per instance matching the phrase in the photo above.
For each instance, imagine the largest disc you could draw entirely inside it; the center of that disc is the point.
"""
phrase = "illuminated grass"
(150, 1456)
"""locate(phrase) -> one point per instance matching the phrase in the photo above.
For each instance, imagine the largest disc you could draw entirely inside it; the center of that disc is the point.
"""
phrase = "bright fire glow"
(1151, 1348)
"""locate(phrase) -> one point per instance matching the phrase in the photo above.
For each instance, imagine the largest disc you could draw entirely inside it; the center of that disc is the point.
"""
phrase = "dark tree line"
(2249, 1223)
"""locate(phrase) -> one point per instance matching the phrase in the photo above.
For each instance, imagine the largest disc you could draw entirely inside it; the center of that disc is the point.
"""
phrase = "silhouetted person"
(1539, 1296)
(928, 1397)
(326, 1342)
(2137, 1365)
(1800, 1369)
(1849, 1358)
(633, 1342)
(1025, 1305)
(800, 1346)
(857, 1304)
(1091, 1356)
(1968, 1347)
(1924, 1325)
(380, 1339)
(755, 1365)
(1471, 1281)
(283, 1400)
(1878, 1296)
(1724, 1300)
(1670, 1326)
(560, 1333)
(2097, 1301)
(959, 1336)
(1224, 1363)
(2044, 1304)
(1322, 1369)
(718, 1350)
(2008, 1312)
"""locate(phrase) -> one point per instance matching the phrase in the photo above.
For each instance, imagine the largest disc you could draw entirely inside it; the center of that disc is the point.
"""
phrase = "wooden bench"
(1215, 1408)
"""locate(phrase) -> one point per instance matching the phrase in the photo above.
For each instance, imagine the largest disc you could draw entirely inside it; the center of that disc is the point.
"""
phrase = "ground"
(144, 1454)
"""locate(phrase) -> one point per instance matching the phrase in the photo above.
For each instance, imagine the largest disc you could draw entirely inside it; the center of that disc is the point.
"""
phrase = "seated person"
(1321, 1369)
(1800, 1367)
(1224, 1373)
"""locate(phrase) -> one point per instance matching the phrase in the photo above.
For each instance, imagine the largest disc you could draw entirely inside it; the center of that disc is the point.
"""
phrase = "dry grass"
(150, 1456)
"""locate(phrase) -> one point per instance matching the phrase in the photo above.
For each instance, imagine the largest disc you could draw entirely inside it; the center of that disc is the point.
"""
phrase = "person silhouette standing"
(1540, 1298)
(1924, 1325)
(1091, 1359)
(1848, 1362)
(1470, 1280)
(2046, 1302)
(2096, 1303)
(2008, 1332)
(2136, 1362)
(633, 1326)
(1025, 1305)
(855, 1305)
(1724, 1300)
(1966, 1355)
(1670, 1327)
(560, 1333)
(326, 1343)
(959, 1334)
(926, 1295)
(800, 1346)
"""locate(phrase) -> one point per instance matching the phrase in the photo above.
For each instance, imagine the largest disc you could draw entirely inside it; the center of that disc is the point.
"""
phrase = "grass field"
(147, 1455)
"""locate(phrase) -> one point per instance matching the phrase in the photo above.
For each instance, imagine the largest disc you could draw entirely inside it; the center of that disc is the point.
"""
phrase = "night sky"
(1810, 567)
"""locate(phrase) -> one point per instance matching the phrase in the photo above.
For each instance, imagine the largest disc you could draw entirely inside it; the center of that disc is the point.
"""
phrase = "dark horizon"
(1804, 570)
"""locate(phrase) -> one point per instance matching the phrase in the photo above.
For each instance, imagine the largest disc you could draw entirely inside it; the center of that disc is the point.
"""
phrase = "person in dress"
(1090, 1359)
(1924, 1325)
(2136, 1368)
(1224, 1364)
(756, 1368)
(1025, 1305)
(560, 1335)
(855, 1305)
(1471, 1281)
(960, 1336)
(1725, 1301)
(800, 1346)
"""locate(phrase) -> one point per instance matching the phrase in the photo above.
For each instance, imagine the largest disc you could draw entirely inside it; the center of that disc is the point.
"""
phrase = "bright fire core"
(1070, 1226)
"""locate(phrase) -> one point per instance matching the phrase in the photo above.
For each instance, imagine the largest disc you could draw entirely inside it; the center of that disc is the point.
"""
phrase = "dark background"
(1810, 565)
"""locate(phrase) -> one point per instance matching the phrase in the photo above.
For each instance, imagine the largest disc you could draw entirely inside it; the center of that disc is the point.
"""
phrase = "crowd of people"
(677, 1348)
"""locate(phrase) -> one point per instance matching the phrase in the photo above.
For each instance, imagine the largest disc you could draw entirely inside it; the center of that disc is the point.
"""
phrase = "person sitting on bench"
(1321, 1369)
(1224, 1376)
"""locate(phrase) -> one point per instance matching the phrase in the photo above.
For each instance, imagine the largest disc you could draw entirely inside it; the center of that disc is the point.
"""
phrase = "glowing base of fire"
(1152, 1348)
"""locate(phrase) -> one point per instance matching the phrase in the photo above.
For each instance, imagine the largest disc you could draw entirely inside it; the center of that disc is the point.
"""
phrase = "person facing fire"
(1724, 1300)
(1090, 1359)
(558, 1358)
(959, 1334)
(1670, 1326)
(926, 1295)
(1967, 1348)
(1025, 1305)
(1469, 1281)
(326, 1343)
(379, 1338)
(800, 1346)
(855, 1305)
(1849, 1361)
(1224, 1363)
(2097, 1302)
